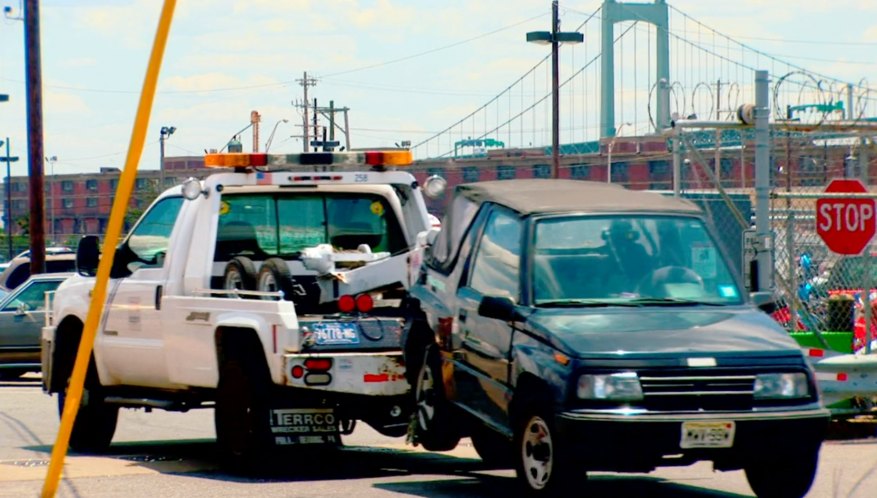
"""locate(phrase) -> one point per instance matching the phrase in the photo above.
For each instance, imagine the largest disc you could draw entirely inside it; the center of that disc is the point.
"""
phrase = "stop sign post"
(846, 224)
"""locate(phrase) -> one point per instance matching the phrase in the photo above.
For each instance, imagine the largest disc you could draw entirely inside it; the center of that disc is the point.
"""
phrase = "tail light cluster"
(314, 371)
(362, 303)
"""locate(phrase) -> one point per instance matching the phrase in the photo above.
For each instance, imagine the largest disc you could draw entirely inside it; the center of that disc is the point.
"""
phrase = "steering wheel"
(655, 283)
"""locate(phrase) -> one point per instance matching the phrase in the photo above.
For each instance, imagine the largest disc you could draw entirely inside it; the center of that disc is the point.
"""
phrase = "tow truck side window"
(151, 235)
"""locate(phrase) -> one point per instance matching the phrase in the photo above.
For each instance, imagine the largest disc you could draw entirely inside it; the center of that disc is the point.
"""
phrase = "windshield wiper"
(670, 301)
(583, 303)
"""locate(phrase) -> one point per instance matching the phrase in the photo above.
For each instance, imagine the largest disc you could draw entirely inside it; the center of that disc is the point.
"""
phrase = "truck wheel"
(539, 464)
(787, 476)
(240, 274)
(242, 414)
(433, 424)
(275, 276)
(95, 421)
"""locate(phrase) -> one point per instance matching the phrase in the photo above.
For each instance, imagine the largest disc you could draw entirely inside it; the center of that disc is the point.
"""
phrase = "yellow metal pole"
(114, 229)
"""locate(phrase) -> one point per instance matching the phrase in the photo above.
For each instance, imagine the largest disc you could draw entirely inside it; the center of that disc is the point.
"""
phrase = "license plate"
(304, 426)
(333, 333)
(697, 434)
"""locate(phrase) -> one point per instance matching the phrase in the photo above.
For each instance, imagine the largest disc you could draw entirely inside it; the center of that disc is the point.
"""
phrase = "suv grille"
(696, 393)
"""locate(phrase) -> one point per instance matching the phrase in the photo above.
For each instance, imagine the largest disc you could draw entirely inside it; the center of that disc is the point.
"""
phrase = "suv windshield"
(636, 260)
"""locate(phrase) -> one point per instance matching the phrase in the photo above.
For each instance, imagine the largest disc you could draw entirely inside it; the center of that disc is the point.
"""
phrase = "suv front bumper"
(643, 441)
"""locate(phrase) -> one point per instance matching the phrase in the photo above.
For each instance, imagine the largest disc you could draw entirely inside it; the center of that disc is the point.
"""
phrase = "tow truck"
(274, 291)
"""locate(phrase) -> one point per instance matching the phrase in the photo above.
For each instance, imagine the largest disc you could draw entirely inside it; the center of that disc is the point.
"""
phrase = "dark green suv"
(574, 326)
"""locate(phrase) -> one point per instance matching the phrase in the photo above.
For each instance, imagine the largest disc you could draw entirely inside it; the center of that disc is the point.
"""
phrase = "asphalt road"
(173, 455)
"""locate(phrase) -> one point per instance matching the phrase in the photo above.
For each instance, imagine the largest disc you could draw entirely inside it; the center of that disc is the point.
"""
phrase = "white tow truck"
(274, 292)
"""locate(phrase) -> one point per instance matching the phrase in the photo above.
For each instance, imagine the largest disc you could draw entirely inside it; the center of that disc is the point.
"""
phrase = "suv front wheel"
(787, 476)
(540, 464)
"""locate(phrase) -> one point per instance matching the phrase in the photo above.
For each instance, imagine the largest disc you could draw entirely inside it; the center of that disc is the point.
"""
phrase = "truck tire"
(95, 422)
(275, 276)
(432, 422)
(786, 476)
(240, 274)
(242, 413)
(540, 464)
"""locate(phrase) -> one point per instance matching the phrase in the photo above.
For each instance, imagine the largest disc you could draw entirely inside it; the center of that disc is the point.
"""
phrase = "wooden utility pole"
(305, 82)
(34, 86)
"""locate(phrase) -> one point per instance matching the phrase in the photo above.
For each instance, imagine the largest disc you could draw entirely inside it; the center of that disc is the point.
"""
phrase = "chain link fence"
(817, 289)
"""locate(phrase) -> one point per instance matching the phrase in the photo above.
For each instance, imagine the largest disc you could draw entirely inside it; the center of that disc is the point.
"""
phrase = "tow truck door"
(132, 339)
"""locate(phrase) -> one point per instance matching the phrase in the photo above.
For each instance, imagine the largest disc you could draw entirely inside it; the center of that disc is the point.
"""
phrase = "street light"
(609, 154)
(166, 131)
(9, 160)
(51, 160)
(271, 136)
(555, 37)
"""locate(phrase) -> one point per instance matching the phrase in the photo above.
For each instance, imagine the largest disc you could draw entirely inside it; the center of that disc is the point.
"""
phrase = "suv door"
(482, 378)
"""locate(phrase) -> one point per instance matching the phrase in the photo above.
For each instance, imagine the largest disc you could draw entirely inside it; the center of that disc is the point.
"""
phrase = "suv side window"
(497, 263)
(447, 244)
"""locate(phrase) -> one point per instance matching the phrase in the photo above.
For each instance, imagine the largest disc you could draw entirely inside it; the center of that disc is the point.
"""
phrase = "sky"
(405, 69)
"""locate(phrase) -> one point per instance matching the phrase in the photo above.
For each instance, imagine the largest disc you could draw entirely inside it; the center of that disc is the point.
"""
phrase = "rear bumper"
(370, 374)
(641, 442)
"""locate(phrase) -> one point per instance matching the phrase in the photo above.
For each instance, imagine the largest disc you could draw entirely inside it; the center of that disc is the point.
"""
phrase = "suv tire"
(432, 422)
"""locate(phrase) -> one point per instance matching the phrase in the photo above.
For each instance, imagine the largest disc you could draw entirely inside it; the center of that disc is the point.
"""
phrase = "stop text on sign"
(843, 216)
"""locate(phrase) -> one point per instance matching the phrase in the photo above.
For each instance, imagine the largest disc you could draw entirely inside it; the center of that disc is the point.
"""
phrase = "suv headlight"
(781, 386)
(622, 386)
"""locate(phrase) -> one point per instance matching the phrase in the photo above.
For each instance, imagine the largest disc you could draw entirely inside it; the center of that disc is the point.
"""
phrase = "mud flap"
(297, 426)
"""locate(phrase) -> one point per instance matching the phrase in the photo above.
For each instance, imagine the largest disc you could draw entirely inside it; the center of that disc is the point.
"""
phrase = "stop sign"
(845, 224)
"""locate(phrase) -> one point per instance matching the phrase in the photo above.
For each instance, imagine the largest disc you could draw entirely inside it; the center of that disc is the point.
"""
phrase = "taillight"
(318, 364)
(364, 303)
(346, 303)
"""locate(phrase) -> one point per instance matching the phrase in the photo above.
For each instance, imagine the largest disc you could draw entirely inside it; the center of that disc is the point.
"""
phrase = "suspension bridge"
(653, 64)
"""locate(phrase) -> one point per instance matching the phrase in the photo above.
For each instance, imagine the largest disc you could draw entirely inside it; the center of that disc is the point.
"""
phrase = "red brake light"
(318, 364)
(297, 372)
(346, 303)
(364, 303)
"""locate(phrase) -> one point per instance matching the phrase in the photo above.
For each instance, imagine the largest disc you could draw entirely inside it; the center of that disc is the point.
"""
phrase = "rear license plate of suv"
(713, 434)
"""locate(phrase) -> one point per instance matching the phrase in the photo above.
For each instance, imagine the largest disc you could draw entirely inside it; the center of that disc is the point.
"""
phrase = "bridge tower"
(654, 13)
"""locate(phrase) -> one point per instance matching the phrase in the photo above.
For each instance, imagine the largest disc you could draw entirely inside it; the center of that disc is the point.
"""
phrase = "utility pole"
(255, 119)
(34, 84)
(329, 114)
(555, 37)
(305, 82)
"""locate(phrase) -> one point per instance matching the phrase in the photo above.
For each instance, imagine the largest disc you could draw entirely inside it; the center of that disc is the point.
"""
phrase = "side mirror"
(499, 307)
(87, 256)
(765, 301)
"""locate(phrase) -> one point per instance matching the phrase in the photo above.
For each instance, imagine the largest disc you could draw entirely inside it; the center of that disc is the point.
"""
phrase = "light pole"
(9, 159)
(555, 37)
(166, 131)
(271, 136)
(609, 153)
(51, 160)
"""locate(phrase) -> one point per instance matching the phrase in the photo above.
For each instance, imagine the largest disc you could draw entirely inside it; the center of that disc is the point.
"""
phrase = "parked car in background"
(22, 316)
(49, 251)
(573, 326)
(19, 268)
